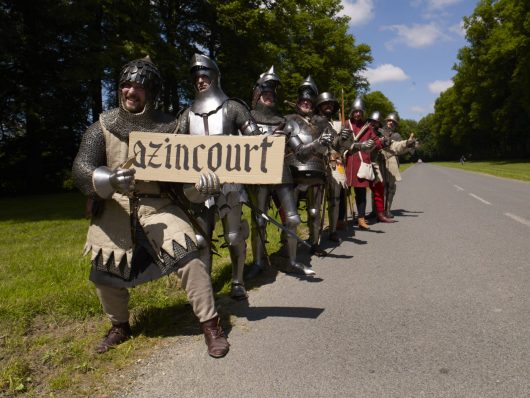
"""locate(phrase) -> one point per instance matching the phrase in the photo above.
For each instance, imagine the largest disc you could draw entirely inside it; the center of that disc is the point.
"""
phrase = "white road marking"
(479, 198)
(518, 219)
(459, 188)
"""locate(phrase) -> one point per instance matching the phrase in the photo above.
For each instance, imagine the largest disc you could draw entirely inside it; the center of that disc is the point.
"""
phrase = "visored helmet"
(142, 71)
(308, 89)
(327, 97)
(213, 97)
(268, 81)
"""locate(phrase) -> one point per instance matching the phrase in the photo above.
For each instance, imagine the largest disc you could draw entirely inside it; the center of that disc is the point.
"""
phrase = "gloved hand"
(368, 145)
(326, 139)
(345, 133)
(208, 184)
(411, 142)
(122, 180)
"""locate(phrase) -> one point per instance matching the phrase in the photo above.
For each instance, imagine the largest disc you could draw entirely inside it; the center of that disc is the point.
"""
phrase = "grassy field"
(518, 170)
(50, 317)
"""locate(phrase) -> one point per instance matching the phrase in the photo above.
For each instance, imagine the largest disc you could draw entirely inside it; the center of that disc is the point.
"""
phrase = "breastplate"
(213, 124)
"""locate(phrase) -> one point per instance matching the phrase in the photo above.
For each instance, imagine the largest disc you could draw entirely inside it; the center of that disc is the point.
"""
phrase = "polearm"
(342, 117)
(276, 223)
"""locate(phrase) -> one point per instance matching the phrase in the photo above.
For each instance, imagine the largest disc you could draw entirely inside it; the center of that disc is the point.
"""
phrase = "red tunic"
(353, 161)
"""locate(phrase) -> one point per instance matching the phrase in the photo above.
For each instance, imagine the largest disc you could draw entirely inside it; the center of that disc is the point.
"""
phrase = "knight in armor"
(364, 140)
(269, 120)
(394, 147)
(213, 113)
(327, 106)
(307, 163)
(127, 242)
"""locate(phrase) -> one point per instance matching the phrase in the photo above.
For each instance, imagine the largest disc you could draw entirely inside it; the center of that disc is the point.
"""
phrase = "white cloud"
(384, 73)
(438, 86)
(415, 36)
(434, 4)
(458, 29)
(418, 110)
(359, 11)
(439, 4)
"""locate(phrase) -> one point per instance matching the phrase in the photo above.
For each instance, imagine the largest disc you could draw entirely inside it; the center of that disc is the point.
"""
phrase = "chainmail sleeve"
(91, 155)
(242, 118)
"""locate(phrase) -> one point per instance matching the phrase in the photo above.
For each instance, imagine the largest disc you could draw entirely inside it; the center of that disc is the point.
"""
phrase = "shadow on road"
(406, 213)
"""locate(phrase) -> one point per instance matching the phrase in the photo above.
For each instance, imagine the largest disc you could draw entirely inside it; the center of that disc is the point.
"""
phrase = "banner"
(182, 158)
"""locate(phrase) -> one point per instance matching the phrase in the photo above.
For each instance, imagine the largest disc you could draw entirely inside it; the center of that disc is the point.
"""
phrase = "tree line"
(486, 113)
(60, 63)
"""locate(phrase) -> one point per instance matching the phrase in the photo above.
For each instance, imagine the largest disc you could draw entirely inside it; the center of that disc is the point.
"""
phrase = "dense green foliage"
(486, 113)
(60, 61)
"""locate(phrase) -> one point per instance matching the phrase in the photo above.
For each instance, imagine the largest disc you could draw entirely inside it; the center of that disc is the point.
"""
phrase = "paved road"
(436, 305)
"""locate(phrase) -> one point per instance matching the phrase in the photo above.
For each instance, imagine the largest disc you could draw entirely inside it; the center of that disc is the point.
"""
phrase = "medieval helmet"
(358, 105)
(327, 97)
(394, 117)
(308, 89)
(375, 117)
(213, 97)
(268, 81)
(142, 71)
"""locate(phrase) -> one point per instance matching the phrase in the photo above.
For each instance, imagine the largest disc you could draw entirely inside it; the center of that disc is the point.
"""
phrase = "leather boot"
(253, 270)
(116, 335)
(214, 337)
(388, 214)
(381, 218)
(361, 223)
(317, 250)
(334, 237)
(238, 291)
(341, 224)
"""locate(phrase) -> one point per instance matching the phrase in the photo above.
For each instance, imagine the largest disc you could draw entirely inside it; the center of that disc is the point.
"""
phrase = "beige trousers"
(195, 280)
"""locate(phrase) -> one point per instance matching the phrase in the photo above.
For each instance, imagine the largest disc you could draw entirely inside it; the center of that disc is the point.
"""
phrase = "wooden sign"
(182, 158)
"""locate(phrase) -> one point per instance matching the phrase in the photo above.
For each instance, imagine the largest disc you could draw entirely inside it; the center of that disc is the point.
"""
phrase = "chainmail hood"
(121, 122)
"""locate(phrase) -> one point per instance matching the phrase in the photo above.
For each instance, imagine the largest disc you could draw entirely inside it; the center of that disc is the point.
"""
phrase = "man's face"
(133, 97)
(267, 98)
(390, 124)
(305, 105)
(202, 83)
(357, 115)
(326, 108)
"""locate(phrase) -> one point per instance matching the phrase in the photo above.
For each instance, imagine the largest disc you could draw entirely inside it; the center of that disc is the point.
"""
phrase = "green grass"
(515, 169)
(50, 317)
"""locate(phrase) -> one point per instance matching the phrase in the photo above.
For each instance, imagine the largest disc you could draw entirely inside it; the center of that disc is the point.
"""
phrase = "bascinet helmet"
(375, 117)
(308, 89)
(358, 105)
(268, 81)
(142, 71)
(212, 98)
(327, 97)
(394, 117)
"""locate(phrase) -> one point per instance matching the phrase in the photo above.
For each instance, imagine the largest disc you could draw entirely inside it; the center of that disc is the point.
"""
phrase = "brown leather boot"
(381, 218)
(116, 335)
(214, 336)
(361, 223)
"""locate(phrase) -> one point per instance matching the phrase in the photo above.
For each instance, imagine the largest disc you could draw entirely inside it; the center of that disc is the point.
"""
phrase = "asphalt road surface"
(435, 305)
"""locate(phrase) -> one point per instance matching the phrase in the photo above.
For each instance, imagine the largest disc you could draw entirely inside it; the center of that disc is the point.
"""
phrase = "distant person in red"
(364, 140)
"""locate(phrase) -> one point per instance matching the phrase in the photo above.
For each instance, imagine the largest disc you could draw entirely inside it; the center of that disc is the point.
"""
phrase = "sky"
(414, 45)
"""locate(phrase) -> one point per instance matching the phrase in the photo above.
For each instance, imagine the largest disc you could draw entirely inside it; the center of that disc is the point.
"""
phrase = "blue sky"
(414, 47)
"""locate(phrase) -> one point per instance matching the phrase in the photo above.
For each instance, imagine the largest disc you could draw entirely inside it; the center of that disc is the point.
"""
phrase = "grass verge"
(50, 317)
(515, 169)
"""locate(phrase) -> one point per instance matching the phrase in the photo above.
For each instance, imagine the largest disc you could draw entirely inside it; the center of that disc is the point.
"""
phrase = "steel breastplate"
(213, 124)
(312, 171)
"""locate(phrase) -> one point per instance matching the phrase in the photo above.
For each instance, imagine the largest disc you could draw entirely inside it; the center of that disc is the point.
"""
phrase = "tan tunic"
(162, 221)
